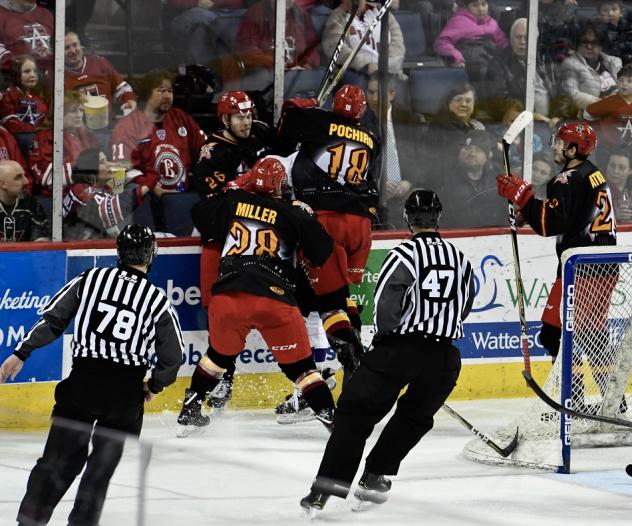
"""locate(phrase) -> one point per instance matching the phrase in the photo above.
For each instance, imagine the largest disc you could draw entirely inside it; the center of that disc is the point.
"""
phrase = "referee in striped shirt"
(424, 292)
(119, 317)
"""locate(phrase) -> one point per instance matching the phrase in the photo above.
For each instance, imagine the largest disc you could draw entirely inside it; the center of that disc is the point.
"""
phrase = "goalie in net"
(578, 210)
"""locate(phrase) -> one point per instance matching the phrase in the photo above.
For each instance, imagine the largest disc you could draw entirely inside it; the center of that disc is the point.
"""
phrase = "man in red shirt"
(94, 75)
(25, 29)
(10, 151)
(159, 140)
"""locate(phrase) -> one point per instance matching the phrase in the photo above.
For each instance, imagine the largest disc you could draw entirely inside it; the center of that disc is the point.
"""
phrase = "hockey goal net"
(591, 373)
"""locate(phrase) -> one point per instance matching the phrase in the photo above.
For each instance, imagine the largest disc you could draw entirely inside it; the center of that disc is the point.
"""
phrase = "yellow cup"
(118, 178)
(96, 110)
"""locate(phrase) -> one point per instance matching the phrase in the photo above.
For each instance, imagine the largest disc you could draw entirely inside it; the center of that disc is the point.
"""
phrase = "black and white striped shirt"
(119, 316)
(425, 285)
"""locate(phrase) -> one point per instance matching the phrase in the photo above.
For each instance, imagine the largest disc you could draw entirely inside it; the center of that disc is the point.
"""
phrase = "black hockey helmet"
(422, 209)
(136, 245)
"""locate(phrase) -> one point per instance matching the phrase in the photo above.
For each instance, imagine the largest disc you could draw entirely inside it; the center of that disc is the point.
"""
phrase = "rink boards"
(490, 349)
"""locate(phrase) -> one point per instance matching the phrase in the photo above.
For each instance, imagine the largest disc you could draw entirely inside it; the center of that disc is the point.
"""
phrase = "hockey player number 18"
(348, 164)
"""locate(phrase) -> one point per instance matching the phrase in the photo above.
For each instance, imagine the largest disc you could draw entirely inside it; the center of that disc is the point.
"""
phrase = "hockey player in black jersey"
(230, 152)
(331, 174)
(577, 209)
(119, 316)
(259, 234)
(424, 292)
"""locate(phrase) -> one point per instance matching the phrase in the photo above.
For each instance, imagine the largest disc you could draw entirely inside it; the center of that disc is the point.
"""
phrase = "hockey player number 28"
(252, 242)
(352, 161)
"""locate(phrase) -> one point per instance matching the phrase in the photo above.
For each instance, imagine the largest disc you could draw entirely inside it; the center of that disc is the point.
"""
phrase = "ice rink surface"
(247, 469)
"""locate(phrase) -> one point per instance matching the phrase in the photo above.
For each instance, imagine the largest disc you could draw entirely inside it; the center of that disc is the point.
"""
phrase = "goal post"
(591, 373)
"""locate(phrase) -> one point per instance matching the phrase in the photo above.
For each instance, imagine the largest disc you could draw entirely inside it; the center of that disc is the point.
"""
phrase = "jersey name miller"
(350, 133)
(596, 179)
(256, 212)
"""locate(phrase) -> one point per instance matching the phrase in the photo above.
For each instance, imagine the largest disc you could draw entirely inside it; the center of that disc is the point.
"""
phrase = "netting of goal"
(591, 373)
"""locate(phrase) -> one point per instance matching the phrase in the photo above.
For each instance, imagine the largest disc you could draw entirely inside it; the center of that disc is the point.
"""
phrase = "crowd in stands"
(442, 134)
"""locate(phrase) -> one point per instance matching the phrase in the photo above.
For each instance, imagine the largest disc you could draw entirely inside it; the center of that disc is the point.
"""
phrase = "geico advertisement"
(29, 279)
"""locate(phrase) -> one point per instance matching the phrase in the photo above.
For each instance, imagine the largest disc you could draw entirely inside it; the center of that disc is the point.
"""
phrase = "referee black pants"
(97, 393)
(429, 368)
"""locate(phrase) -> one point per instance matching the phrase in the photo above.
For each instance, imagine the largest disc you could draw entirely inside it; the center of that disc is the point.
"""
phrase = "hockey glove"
(515, 189)
(300, 103)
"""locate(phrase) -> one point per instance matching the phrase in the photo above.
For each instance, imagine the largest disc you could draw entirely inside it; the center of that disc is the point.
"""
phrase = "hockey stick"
(326, 90)
(517, 126)
(333, 62)
(559, 407)
(502, 451)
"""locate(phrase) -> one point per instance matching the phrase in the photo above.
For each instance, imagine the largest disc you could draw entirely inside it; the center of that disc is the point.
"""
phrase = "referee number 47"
(123, 324)
(439, 283)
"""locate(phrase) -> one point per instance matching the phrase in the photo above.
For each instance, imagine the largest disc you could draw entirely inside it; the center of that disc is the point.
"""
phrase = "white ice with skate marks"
(247, 470)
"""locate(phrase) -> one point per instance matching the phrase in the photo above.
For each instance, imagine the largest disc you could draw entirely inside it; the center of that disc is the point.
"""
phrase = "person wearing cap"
(470, 190)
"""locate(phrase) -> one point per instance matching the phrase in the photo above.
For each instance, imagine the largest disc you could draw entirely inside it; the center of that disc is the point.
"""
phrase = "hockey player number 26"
(438, 283)
(255, 242)
(352, 161)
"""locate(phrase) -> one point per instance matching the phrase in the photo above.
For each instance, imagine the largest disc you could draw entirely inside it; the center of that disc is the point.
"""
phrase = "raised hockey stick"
(333, 62)
(327, 89)
(566, 410)
(502, 451)
(517, 126)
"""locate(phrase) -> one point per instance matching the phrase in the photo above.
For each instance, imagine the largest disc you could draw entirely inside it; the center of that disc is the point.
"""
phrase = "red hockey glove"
(514, 189)
(300, 103)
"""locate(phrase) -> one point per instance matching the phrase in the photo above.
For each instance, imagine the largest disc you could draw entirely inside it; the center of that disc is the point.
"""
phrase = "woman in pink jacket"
(470, 23)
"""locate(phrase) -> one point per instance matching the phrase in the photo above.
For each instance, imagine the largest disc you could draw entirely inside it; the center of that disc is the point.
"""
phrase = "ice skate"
(221, 395)
(314, 502)
(191, 421)
(372, 489)
(326, 416)
(294, 410)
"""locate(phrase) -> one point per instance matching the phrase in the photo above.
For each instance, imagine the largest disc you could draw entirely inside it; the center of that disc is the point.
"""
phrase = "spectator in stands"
(470, 198)
(158, 140)
(589, 74)
(618, 29)
(556, 28)
(26, 29)
(366, 60)
(402, 155)
(449, 127)
(617, 174)
(94, 75)
(91, 209)
(254, 42)
(22, 106)
(10, 151)
(76, 139)
(471, 39)
(193, 26)
(541, 172)
(22, 218)
(513, 70)
(615, 111)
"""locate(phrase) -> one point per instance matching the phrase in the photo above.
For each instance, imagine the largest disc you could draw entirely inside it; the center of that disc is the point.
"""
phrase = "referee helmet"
(422, 209)
(136, 245)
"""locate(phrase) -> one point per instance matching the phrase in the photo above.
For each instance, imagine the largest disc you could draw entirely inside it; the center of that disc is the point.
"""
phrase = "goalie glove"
(515, 189)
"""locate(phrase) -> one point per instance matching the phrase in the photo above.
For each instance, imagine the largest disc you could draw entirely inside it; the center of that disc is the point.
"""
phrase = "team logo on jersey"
(37, 38)
(562, 178)
(303, 206)
(373, 211)
(552, 203)
(277, 290)
(161, 134)
(168, 165)
(182, 131)
(206, 152)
